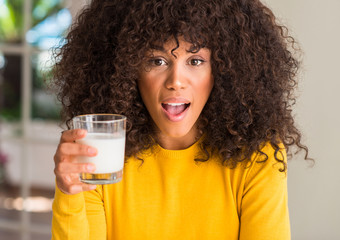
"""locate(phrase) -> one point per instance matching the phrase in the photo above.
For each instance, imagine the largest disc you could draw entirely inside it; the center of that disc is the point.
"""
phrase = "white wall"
(314, 193)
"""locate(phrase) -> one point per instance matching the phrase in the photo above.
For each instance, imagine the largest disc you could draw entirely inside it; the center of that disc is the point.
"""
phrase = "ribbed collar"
(189, 152)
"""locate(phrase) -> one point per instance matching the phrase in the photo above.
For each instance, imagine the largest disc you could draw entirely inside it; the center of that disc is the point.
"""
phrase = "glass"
(106, 132)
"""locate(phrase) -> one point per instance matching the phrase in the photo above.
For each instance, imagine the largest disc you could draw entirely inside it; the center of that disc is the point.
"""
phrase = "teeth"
(175, 104)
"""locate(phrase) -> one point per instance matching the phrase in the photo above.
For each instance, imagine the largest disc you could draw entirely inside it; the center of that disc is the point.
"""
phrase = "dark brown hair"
(253, 67)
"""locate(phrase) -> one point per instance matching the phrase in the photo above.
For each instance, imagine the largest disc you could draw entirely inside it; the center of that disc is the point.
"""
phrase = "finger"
(72, 135)
(69, 179)
(77, 188)
(64, 180)
(63, 168)
(88, 187)
(71, 184)
(68, 148)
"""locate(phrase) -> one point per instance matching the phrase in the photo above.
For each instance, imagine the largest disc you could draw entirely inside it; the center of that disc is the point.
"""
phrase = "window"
(29, 114)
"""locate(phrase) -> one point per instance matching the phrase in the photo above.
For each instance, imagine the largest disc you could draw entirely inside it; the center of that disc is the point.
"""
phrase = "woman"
(207, 88)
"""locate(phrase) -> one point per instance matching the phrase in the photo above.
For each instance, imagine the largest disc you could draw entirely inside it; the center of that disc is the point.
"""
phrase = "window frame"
(25, 51)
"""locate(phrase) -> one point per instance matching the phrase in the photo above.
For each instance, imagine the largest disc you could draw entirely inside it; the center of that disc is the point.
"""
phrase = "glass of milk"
(106, 132)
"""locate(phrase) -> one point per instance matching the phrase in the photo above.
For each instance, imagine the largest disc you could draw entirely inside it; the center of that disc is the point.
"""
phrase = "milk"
(110, 157)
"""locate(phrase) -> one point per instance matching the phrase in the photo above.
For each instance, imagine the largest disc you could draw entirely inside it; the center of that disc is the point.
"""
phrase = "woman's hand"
(67, 169)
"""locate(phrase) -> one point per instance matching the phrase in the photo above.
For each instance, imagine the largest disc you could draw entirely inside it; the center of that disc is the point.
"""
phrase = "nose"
(177, 78)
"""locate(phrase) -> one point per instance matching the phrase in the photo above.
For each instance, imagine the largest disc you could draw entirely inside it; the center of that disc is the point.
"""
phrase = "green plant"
(11, 17)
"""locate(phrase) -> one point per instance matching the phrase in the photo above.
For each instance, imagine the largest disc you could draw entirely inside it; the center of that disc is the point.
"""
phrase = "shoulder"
(270, 161)
(271, 154)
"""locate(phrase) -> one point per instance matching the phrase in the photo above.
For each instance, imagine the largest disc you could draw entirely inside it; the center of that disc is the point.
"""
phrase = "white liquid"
(110, 157)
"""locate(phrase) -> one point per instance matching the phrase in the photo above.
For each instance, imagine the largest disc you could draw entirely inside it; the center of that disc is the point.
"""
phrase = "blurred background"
(29, 115)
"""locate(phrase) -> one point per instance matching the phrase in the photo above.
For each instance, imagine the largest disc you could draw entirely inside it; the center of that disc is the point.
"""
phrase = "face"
(175, 89)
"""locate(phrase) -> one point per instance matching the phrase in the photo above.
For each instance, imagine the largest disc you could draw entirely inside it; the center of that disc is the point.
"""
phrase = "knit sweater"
(170, 196)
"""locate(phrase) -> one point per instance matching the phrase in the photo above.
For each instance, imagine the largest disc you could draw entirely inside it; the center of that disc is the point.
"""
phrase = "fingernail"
(91, 150)
(93, 187)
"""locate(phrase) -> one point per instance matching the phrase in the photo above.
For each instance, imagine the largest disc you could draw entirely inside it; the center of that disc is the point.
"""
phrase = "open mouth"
(175, 109)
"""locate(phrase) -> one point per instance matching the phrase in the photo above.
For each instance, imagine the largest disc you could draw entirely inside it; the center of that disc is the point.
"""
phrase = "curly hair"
(252, 62)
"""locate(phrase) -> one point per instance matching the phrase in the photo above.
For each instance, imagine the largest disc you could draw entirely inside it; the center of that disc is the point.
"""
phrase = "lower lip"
(178, 117)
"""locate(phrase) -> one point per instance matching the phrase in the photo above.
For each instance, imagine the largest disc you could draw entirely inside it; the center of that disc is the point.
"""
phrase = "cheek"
(206, 86)
(148, 82)
(143, 85)
(148, 92)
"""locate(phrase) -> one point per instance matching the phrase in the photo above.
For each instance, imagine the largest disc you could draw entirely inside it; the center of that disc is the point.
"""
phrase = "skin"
(165, 78)
(178, 77)
(66, 168)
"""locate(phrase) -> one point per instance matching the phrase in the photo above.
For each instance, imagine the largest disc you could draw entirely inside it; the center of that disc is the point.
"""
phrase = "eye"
(157, 62)
(196, 62)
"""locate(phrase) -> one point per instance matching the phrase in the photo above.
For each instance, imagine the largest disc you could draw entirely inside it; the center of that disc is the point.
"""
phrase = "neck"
(177, 143)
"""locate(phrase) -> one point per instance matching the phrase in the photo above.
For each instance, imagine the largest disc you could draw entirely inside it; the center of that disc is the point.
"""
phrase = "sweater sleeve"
(264, 208)
(78, 216)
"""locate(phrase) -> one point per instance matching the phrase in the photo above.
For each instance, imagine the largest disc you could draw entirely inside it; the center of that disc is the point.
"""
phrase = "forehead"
(173, 44)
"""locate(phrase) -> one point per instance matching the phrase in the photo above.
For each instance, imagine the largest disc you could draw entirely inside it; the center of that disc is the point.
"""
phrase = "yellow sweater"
(172, 197)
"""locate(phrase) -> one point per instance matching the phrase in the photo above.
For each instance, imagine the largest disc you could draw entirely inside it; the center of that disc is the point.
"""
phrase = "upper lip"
(175, 100)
